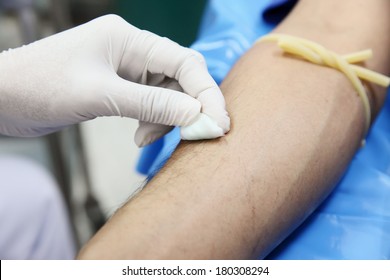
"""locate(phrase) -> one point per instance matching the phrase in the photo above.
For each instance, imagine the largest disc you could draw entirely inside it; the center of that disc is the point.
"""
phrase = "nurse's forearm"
(295, 128)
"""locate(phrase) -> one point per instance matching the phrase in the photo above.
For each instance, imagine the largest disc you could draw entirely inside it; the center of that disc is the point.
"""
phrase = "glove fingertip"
(147, 139)
(224, 123)
(148, 133)
(140, 142)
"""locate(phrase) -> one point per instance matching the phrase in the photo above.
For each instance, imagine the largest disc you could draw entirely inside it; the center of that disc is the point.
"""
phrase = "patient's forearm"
(295, 127)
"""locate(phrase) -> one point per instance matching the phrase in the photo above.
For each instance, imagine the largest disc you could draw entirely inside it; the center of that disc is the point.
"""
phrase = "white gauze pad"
(203, 128)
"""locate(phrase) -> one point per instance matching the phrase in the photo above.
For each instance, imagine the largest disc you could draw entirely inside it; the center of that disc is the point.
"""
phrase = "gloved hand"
(106, 67)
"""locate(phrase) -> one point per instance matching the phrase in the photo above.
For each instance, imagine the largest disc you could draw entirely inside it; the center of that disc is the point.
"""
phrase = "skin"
(295, 128)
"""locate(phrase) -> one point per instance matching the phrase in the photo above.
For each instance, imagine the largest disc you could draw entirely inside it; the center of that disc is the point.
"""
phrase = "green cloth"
(176, 19)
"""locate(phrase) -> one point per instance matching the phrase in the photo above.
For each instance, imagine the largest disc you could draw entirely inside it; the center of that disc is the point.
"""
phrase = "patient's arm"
(295, 128)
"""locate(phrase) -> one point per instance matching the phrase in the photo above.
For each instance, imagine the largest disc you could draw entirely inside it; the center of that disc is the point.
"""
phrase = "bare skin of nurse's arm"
(295, 128)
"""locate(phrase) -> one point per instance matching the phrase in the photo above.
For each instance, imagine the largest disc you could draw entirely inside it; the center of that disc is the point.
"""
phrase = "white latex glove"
(107, 67)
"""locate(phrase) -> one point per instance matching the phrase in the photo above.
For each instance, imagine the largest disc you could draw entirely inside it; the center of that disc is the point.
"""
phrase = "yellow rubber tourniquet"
(318, 54)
